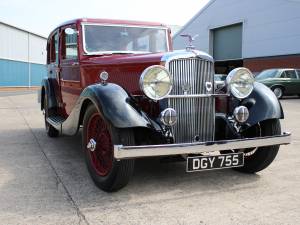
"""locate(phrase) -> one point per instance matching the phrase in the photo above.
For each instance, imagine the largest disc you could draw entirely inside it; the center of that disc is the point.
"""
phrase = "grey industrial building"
(257, 34)
(22, 57)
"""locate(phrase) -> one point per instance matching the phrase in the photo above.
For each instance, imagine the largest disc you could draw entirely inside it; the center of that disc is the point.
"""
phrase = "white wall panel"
(270, 27)
(15, 43)
(37, 49)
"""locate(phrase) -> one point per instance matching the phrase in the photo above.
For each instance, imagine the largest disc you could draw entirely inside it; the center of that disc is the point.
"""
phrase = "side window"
(53, 49)
(291, 74)
(283, 75)
(298, 71)
(69, 48)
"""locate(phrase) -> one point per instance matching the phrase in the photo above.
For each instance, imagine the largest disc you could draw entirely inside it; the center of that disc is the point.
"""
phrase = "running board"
(56, 122)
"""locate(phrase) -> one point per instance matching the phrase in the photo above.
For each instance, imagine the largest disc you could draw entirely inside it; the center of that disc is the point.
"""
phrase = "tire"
(107, 173)
(50, 130)
(262, 156)
(278, 91)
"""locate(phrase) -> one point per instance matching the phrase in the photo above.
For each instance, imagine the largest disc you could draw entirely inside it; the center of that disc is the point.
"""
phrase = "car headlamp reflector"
(240, 82)
(241, 114)
(156, 82)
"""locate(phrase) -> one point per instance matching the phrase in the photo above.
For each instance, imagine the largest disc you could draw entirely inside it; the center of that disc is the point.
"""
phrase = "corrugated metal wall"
(270, 27)
(22, 57)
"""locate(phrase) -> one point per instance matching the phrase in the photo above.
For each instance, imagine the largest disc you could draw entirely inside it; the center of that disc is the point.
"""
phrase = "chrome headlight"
(156, 82)
(240, 82)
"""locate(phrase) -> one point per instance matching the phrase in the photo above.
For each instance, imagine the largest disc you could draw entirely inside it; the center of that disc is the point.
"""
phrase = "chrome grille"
(196, 116)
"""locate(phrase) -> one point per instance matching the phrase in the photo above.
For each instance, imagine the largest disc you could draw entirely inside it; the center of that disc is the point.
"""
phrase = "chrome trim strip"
(198, 96)
(130, 152)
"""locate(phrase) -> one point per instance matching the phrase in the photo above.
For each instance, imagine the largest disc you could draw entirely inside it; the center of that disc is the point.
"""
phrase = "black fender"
(113, 102)
(47, 88)
(266, 105)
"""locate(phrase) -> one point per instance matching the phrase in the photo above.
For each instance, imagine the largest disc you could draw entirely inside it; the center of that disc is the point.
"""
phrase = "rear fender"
(47, 88)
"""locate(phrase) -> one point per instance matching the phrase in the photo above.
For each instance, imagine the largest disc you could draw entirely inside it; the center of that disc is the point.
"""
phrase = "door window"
(298, 71)
(291, 74)
(69, 49)
(53, 49)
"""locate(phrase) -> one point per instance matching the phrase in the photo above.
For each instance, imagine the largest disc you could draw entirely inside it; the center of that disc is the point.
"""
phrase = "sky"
(42, 16)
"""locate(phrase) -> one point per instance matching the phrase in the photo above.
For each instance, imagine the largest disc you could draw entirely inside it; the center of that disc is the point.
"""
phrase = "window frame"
(86, 52)
(296, 77)
(63, 44)
(52, 56)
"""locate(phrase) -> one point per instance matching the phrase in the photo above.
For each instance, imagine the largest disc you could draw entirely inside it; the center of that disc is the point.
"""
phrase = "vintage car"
(133, 97)
(281, 81)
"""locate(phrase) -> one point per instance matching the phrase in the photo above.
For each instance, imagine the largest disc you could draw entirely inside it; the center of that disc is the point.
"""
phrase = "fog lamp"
(241, 114)
(168, 117)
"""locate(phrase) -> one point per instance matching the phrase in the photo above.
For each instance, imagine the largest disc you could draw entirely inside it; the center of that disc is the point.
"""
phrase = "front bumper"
(130, 152)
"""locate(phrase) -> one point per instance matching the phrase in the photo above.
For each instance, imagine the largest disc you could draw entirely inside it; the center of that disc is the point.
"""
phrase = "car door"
(298, 82)
(291, 82)
(70, 72)
(53, 63)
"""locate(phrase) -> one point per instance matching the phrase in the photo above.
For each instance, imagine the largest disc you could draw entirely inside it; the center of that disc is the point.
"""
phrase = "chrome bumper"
(130, 152)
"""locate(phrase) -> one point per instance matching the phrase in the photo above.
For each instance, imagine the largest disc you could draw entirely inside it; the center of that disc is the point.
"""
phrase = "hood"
(126, 69)
(155, 58)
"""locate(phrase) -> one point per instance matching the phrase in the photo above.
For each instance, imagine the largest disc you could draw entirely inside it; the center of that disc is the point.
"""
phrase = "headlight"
(240, 82)
(156, 82)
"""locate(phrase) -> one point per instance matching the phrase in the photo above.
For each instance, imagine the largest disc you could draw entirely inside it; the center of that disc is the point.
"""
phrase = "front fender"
(266, 105)
(114, 104)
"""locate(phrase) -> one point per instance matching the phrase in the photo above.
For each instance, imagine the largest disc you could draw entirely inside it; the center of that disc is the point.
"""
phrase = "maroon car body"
(99, 78)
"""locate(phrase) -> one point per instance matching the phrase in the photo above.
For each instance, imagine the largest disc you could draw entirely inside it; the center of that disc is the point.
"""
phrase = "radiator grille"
(196, 116)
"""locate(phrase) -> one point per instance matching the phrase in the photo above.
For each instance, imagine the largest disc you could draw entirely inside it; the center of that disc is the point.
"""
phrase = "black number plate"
(200, 163)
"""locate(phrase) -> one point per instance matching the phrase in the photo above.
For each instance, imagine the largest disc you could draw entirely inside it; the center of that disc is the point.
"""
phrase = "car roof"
(110, 21)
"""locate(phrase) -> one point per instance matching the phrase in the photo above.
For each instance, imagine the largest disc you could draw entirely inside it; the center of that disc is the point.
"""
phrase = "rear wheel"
(260, 158)
(278, 91)
(99, 139)
(50, 130)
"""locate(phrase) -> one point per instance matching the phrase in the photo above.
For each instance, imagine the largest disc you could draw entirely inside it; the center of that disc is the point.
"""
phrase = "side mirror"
(70, 31)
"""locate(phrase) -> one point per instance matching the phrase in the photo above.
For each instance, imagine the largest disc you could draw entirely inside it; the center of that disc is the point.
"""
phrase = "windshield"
(266, 74)
(105, 39)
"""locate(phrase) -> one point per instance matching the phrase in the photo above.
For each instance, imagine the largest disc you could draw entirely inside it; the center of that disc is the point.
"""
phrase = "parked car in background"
(281, 81)
(134, 97)
(220, 81)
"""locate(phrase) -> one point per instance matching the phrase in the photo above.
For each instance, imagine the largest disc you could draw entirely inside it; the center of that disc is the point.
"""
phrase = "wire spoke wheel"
(99, 138)
(102, 155)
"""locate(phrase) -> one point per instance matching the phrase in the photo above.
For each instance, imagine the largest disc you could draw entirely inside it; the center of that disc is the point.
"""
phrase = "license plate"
(200, 163)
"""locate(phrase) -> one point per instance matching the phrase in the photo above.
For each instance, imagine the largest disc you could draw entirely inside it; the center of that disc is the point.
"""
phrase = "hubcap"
(100, 146)
(278, 92)
(91, 145)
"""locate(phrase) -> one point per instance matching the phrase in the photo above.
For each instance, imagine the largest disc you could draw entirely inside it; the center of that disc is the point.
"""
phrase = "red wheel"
(101, 155)
(99, 139)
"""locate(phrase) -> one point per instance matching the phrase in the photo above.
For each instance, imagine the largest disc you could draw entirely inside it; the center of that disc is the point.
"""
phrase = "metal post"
(29, 66)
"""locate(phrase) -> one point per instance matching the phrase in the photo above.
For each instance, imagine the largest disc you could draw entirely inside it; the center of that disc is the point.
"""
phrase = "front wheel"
(260, 158)
(99, 139)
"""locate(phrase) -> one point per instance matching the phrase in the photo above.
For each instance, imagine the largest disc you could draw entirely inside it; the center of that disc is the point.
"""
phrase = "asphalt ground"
(45, 181)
